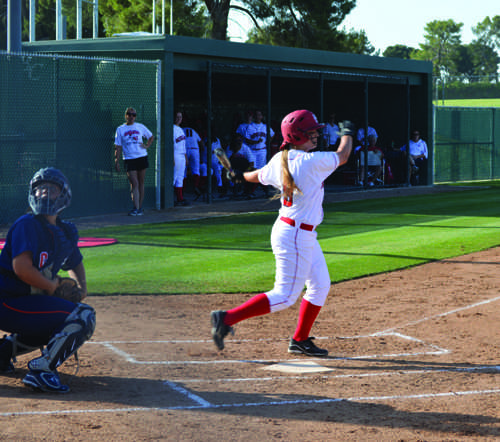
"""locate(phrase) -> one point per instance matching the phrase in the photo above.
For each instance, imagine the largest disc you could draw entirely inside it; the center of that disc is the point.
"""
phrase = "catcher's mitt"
(68, 289)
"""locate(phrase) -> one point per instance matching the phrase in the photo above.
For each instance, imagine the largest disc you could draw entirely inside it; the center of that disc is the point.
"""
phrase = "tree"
(442, 40)
(463, 62)
(306, 24)
(484, 59)
(488, 31)
(219, 13)
(125, 16)
(399, 51)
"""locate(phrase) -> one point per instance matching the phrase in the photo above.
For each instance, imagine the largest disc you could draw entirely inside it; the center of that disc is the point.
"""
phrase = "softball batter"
(299, 175)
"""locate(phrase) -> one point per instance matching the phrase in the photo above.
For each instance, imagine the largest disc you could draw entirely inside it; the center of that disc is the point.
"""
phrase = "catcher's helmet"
(43, 204)
(296, 125)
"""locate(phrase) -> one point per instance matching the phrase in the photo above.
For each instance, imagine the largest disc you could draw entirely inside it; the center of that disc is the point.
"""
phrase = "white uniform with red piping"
(299, 258)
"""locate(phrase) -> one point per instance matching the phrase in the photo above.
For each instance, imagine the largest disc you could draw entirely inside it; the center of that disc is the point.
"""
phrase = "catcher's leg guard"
(78, 328)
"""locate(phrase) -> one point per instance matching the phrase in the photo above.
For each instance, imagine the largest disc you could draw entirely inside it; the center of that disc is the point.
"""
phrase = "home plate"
(298, 367)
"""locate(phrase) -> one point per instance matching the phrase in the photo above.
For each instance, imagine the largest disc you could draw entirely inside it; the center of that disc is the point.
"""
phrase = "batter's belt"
(291, 222)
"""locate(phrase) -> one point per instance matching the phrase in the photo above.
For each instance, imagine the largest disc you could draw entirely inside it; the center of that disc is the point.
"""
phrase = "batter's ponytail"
(289, 185)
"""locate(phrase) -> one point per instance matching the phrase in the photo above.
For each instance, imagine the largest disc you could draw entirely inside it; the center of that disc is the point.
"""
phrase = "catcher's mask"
(43, 198)
(296, 126)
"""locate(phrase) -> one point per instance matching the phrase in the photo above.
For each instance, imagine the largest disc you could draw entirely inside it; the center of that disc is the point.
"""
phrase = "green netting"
(63, 111)
(467, 144)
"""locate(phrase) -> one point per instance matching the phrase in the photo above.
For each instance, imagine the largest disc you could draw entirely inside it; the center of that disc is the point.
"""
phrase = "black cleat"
(6, 354)
(219, 329)
(306, 347)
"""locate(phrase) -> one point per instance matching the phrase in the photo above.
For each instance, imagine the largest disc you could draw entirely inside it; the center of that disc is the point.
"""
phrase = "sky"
(390, 22)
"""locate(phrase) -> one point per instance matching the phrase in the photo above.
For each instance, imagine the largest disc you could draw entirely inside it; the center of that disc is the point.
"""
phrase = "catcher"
(39, 309)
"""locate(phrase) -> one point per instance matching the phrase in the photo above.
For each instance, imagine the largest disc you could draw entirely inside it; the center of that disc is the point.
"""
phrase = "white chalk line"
(131, 359)
(202, 404)
(439, 315)
(194, 397)
(399, 372)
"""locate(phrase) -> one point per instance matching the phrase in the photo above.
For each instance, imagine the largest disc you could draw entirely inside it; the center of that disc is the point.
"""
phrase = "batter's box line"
(442, 315)
(203, 404)
(133, 360)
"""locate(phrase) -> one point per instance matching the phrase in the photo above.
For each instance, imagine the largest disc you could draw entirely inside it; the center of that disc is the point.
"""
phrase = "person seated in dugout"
(375, 164)
(418, 159)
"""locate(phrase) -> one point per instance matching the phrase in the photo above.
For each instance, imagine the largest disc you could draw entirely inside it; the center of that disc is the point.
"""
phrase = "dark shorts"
(136, 164)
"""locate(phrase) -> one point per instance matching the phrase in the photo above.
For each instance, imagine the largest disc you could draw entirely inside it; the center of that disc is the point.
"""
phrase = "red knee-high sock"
(307, 315)
(196, 180)
(203, 182)
(256, 306)
(178, 193)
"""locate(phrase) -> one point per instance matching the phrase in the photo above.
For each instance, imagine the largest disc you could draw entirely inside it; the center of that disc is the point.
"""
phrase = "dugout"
(215, 82)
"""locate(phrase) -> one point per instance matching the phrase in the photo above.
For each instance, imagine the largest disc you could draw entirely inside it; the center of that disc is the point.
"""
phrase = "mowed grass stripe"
(233, 254)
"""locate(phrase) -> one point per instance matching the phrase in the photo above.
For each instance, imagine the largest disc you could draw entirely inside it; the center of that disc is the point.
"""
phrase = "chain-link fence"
(63, 111)
(466, 144)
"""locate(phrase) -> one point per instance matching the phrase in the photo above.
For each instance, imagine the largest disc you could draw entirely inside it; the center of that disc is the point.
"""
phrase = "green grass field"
(233, 254)
(479, 102)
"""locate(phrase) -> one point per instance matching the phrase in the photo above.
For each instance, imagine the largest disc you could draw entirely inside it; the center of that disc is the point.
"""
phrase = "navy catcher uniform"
(37, 246)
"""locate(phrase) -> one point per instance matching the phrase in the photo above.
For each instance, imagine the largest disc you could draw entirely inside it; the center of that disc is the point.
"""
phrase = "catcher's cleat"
(219, 329)
(306, 347)
(6, 354)
(45, 381)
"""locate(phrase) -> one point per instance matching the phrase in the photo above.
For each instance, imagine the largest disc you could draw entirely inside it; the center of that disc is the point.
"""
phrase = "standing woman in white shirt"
(299, 175)
(132, 141)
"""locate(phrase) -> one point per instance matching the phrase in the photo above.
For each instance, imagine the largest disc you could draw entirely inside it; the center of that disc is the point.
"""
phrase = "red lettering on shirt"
(44, 256)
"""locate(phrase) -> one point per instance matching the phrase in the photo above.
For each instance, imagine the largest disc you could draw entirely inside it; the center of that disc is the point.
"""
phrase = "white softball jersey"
(130, 138)
(179, 140)
(361, 133)
(309, 171)
(255, 132)
(331, 134)
(192, 138)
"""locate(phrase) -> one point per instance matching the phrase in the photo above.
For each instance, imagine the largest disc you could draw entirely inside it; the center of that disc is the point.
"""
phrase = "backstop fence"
(63, 111)
(466, 144)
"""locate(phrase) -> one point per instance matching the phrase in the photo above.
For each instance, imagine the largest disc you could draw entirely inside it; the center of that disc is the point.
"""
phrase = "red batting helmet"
(296, 125)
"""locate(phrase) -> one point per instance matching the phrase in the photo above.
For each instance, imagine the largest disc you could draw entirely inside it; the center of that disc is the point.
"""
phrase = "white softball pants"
(260, 158)
(179, 169)
(193, 161)
(299, 262)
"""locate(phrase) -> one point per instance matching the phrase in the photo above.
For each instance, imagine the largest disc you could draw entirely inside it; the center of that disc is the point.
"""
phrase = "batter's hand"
(347, 128)
(236, 176)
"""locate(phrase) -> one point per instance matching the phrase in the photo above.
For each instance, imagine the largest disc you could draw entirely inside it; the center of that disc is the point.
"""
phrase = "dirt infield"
(414, 357)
